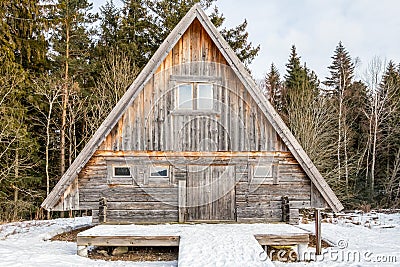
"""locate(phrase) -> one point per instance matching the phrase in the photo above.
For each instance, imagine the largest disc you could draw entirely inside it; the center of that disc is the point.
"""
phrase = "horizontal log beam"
(136, 241)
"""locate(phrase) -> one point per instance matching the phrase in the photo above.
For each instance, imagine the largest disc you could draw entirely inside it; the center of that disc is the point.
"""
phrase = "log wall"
(141, 201)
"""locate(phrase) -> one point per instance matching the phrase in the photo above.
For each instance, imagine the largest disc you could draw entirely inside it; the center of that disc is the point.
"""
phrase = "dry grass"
(137, 254)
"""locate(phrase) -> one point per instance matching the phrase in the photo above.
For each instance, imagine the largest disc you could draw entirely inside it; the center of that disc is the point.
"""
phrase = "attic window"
(185, 96)
(195, 96)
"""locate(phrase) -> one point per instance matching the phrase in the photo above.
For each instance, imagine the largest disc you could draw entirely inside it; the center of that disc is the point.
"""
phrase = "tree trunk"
(346, 160)
(65, 97)
(339, 134)
(48, 147)
(16, 177)
(374, 147)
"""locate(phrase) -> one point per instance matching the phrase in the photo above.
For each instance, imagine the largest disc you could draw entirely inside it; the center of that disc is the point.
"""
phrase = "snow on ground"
(207, 244)
(26, 244)
(373, 241)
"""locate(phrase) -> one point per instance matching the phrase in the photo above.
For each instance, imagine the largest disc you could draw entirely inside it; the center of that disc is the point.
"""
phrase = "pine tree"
(18, 148)
(137, 36)
(341, 70)
(294, 71)
(21, 33)
(389, 151)
(299, 82)
(237, 38)
(71, 44)
(168, 13)
(110, 23)
(340, 80)
(273, 86)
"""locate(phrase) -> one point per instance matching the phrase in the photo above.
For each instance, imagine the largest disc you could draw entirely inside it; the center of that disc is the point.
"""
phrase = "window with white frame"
(262, 174)
(121, 171)
(195, 96)
(159, 171)
(119, 174)
(262, 171)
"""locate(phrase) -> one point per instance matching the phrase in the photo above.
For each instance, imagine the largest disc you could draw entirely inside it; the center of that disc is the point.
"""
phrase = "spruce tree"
(273, 86)
(110, 24)
(294, 71)
(299, 82)
(339, 82)
(137, 36)
(71, 44)
(22, 35)
(237, 38)
(19, 182)
(341, 70)
(389, 150)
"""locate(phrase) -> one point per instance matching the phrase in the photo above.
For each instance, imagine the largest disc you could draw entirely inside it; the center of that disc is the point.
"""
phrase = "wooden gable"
(153, 123)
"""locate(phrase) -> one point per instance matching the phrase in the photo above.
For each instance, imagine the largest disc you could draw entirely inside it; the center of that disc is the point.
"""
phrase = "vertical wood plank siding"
(150, 123)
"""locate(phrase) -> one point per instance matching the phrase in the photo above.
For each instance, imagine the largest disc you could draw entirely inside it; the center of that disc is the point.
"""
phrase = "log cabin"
(193, 139)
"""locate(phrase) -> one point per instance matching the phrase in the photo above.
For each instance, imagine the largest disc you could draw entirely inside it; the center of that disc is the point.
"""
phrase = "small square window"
(159, 171)
(204, 96)
(122, 172)
(185, 96)
(262, 171)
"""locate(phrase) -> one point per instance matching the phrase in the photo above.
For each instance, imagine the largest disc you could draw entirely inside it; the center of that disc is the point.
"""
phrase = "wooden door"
(210, 193)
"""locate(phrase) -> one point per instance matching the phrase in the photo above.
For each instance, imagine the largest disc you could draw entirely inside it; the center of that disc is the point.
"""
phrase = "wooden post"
(285, 209)
(318, 247)
(102, 210)
(182, 199)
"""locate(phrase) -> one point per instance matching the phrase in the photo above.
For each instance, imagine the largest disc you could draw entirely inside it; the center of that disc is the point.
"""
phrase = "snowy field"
(360, 240)
(371, 239)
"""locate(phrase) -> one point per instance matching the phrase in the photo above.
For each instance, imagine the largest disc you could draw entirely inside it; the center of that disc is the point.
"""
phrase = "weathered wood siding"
(153, 123)
(127, 203)
(152, 126)
(261, 201)
(143, 201)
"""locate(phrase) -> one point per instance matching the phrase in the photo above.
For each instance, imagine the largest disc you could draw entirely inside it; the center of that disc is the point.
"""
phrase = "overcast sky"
(367, 28)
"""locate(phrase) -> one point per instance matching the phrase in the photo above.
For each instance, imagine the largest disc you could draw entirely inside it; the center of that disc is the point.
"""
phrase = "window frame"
(195, 97)
(178, 97)
(267, 179)
(114, 175)
(198, 85)
(151, 167)
(268, 168)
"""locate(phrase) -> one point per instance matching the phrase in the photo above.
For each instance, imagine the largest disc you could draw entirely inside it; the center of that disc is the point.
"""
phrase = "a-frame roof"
(151, 67)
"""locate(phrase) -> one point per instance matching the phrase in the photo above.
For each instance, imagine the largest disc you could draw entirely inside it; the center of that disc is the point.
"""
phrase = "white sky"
(367, 28)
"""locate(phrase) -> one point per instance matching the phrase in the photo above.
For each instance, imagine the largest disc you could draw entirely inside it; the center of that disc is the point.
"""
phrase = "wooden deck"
(208, 241)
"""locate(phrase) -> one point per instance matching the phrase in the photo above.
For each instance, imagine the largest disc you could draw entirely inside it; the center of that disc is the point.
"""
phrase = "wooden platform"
(282, 240)
(233, 244)
(134, 241)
